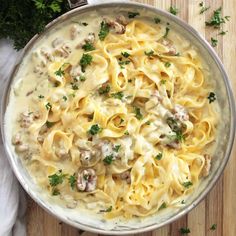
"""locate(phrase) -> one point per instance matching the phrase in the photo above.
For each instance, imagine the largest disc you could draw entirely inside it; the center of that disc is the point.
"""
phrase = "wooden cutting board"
(219, 207)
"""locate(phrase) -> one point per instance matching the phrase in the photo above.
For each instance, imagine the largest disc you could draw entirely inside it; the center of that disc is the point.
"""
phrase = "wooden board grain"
(219, 206)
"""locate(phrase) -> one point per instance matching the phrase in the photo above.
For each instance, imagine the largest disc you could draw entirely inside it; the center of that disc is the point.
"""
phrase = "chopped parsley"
(122, 63)
(118, 95)
(148, 122)
(187, 184)
(201, 4)
(167, 64)
(82, 78)
(129, 80)
(40, 96)
(162, 206)
(214, 42)
(88, 47)
(216, 20)
(211, 97)
(109, 209)
(104, 30)
(132, 14)
(138, 113)
(184, 230)
(49, 124)
(150, 53)
(173, 10)
(85, 60)
(116, 148)
(167, 32)
(56, 178)
(125, 54)
(84, 23)
(157, 20)
(126, 132)
(59, 72)
(213, 227)
(74, 86)
(64, 98)
(182, 202)
(48, 106)
(104, 89)
(177, 54)
(203, 9)
(175, 127)
(223, 32)
(55, 192)
(108, 159)
(163, 81)
(159, 156)
(95, 129)
(72, 181)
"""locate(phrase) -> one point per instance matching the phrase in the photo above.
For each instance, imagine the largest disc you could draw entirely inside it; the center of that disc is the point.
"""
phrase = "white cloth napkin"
(12, 197)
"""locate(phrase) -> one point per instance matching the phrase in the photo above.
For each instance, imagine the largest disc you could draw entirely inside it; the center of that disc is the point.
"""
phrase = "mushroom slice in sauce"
(87, 180)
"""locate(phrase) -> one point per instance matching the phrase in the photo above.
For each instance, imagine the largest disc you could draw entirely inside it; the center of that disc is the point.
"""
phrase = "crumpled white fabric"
(12, 196)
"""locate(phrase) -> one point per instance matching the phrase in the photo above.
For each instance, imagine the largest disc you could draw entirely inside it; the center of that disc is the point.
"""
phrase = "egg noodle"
(126, 136)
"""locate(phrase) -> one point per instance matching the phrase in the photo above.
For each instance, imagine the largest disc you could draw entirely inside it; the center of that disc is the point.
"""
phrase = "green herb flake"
(133, 14)
(182, 202)
(201, 4)
(159, 156)
(162, 206)
(167, 64)
(184, 230)
(227, 18)
(223, 32)
(109, 209)
(187, 184)
(59, 72)
(129, 80)
(125, 54)
(84, 23)
(166, 32)
(72, 181)
(82, 78)
(122, 63)
(149, 53)
(138, 113)
(214, 42)
(163, 81)
(56, 178)
(108, 159)
(116, 148)
(148, 122)
(104, 89)
(104, 30)
(95, 129)
(85, 60)
(40, 96)
(49, 124)
(126, 132)
(118, 95)
(48, 106)
(213, 227)
(211, 97)
(55, 192)
(173, 10)
(157, 20)
(88, 47)
(203, 9)
(216, 20)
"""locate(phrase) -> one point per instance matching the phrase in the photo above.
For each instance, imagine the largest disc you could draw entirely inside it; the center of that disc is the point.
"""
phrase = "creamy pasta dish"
(116, 114)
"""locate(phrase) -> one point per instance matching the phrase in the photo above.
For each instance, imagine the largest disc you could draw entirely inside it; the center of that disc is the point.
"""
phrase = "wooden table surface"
(219, 207)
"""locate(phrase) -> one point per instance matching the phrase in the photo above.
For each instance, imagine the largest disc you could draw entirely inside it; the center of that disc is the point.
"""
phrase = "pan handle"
(77, 3)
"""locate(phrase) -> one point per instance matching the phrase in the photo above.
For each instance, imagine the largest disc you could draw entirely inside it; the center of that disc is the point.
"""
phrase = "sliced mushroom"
(47, 55)
(180, 113)
(169, 44)
(22, 147)
(87, 180)
(122, 20)
(27, 118)
(126, 176)
(56, 42)
(73, 32)
(207, 166)
(116, 26)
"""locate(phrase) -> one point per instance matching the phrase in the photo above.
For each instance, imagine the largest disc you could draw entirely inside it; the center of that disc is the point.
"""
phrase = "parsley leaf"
(223, 32)
(85, 60)
(125, 54)
(133, 14)
(40, 96)
(56, 178)
(49, 124)
(150, 53)
(173, 10)
(157, 20)
(94, 129)
(72, 181)
(184, 230)
(216, 20)
(162, 206)
(116, 148)
(138, 113)
(187, 184)
(213, 227)
(104, 89)
(88, 47)
(118, 95)
(126, 132)
(159, 156)
(167, 64)
(211, 97)
(108, 159)
(166, 33)
(109, 209)
(104, 30)
(48, 106)
(55, 192)
(59, 72)
(163, 81)
(203, 9)
(64, 98)
(214, 42)
(148, 122)
(122, 63)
